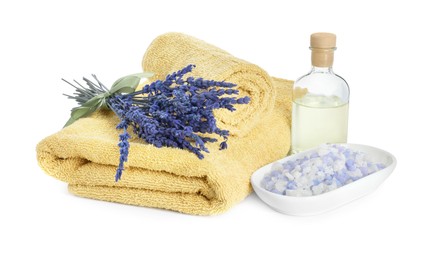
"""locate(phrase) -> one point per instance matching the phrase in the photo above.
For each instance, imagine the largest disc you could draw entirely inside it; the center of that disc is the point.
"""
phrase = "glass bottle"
(320, 100)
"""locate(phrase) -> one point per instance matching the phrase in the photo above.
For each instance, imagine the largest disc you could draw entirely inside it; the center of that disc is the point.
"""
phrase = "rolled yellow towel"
(85, 155)
(173, 51)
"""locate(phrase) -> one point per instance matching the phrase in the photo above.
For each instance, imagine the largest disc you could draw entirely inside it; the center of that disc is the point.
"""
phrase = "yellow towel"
(86, 155)
(172, 51)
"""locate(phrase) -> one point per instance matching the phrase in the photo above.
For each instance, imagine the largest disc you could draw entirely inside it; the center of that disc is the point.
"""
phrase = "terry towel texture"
(172, 51)
(85, 154)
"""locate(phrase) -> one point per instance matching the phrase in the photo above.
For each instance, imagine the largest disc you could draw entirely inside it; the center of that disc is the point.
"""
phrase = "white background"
(382, 53)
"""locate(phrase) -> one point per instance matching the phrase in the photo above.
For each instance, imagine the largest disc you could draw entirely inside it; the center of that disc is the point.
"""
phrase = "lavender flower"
(124, 149)
(175, 112)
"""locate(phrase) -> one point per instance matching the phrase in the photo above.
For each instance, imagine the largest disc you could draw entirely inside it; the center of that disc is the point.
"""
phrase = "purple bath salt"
(327, 168)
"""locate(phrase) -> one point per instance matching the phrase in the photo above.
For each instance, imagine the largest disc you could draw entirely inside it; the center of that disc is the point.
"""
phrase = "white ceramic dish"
(312, 205)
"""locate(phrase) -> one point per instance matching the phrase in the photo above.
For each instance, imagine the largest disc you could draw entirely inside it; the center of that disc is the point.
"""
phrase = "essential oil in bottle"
(320, 100)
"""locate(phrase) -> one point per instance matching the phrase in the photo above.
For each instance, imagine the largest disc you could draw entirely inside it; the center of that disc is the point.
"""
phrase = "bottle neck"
(316, 69)
(322, 57)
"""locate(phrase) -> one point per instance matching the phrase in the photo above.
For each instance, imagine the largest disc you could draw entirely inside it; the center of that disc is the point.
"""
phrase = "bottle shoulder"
(324, 83)
(314, 77)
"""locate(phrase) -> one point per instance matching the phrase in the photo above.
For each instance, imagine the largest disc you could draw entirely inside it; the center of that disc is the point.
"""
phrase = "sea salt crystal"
(317, 162)
(296, 173)
(303, 180)
(326, 169)
(323, 150)
(318, 189)
(307, 169)
(356, 174)
(288, 175)
(332, 186)
(291, 185)
(338, 165)
(280, 185)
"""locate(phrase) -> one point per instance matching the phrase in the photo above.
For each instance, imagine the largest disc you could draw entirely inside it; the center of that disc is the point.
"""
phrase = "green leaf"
(126, 90)
(125, 82)
(95, 100)
(79, 112)
(70, 121)
(145, 74)
(128, 83)
(86, 109)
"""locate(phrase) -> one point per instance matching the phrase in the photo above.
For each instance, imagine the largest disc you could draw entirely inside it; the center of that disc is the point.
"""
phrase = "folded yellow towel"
(172, 51)
(85, 155)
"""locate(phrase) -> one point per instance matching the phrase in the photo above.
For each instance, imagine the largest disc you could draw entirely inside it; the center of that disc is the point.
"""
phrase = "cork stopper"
(323, 46)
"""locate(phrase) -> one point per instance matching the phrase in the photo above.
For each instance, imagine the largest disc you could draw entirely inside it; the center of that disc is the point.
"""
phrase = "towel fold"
(172, 51)
(85, 154)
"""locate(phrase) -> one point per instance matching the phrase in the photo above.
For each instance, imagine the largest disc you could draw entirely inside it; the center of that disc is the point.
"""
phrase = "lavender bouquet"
(175, 112)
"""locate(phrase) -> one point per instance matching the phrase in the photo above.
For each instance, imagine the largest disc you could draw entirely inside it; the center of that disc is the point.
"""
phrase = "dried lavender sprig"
(175, 112)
